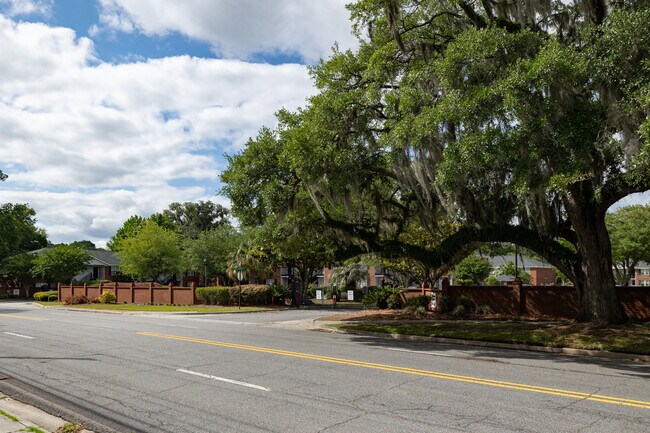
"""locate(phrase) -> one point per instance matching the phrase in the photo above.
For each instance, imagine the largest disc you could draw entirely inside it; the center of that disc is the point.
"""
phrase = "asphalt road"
(263, 372)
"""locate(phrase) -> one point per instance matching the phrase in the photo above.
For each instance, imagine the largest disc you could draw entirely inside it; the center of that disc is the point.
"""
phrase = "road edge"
(543, 349)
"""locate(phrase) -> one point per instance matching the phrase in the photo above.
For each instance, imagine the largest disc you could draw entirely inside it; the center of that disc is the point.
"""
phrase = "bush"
(418, 301)
(465, 302)
(459, 311)
(53, 298)
(75, 300)
(213, 295)
(379, 296)
(3, 296)
(251, 294)
(394, 302)
(484, 309)
(108, 298)
(43, 296)
(279, 293)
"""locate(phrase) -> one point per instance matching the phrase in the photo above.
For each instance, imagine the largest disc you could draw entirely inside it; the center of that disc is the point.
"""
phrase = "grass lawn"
(632, 338)
(159, 308)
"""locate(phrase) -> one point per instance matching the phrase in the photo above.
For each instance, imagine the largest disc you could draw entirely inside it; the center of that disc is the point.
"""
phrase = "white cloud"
(88, 144)
(26, 7)
(239, 28)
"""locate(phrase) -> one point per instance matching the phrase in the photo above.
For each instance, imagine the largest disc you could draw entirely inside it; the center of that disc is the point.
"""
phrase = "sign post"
(240, 277)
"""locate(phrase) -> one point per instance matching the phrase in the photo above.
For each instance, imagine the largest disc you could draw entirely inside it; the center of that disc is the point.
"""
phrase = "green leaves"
(61, 263)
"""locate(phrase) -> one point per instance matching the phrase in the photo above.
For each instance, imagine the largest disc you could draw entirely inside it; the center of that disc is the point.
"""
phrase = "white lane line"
(422, 352)
(18, 335)
(223, 379)
(176, 326)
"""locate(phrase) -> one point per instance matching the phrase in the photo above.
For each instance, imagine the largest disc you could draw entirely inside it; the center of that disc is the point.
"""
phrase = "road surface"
(263, 372)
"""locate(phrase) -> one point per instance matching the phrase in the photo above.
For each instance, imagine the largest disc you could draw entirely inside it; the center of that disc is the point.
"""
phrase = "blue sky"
(111, 108)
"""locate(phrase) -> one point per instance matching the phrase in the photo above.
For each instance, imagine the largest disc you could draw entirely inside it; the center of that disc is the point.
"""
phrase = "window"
(644, 271)
(115, 270)
(644, 283)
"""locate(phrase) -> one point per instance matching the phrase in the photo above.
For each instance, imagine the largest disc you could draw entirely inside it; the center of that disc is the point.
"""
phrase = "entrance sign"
(433, 300)
(319, 294)
(350, 295)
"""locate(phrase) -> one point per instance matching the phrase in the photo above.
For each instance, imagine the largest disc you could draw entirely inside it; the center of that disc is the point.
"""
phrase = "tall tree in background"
(194, 218)
(152, 252)
(132, 227)
(18, 231)
(61, 263)
(629, 230)
(212, 250)
(517, 121)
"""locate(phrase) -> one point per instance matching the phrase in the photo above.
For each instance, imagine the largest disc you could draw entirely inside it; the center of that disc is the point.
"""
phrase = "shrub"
(382, 297)
(43, 296)
(213, 295)
(418, 301)
(279, 293)
(108, 298)
(459, 311)
(484, 309)
(53, 298)
(3, 296)
(465, 302)
(251, 294)
(394, 302)
(75, 300)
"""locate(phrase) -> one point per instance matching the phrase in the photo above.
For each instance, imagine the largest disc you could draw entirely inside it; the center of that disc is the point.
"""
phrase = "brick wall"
(133, 293)
(554, 301)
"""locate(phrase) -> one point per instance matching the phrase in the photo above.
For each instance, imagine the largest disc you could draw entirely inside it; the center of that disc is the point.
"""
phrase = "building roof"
(99, 257)
(523, 262)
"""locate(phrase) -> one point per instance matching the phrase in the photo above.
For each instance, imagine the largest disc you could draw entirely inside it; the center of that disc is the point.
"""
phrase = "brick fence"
(554, 301)
(133, 293)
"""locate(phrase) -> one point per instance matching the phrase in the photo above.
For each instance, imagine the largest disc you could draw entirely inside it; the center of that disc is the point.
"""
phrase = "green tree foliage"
(18, 231)
(133, 225)
(193, 219)
(354, 273)
(215, 246)
(152, 252)
(508, 269)
(61, 263)
(472, 270)
(3, 176)
(19, 268)
(629, 231)
(516, 121)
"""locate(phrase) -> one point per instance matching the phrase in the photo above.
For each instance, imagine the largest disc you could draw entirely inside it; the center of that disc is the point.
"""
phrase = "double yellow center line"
(413, 371)
(12, 316)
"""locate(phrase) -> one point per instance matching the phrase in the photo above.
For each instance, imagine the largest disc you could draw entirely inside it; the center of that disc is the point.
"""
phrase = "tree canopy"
(152, 252)
(132, 227)
(212, 250)
(472, 270)
(515, 121)
(193, 219)
(19, 232)
(629, 230)
(61, 263)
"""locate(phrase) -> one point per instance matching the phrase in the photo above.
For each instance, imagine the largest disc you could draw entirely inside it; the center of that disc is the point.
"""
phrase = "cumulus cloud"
(26, 7)
(239, 28)
(89, 143)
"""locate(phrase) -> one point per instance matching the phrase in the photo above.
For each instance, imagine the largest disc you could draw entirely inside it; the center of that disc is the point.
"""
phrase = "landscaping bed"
(629, 338)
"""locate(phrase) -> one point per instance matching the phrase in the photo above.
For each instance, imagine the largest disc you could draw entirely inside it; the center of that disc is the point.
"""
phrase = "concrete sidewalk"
(19, 417)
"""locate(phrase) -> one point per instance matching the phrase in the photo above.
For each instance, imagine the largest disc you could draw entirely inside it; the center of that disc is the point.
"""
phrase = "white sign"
(16, 292)
(240, 275)
(319, 294)
(433, 300)
(350, 295)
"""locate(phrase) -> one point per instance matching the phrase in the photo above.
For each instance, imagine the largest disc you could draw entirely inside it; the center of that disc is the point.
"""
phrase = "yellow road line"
(11, 316)
(435, 374)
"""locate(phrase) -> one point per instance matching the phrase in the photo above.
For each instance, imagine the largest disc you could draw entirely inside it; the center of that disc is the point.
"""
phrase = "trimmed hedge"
(45, 296)
(251, 294)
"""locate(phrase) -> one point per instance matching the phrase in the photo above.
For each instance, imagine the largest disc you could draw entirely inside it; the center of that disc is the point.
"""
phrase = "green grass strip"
(166, 308)
(631, 338)
(6, 415)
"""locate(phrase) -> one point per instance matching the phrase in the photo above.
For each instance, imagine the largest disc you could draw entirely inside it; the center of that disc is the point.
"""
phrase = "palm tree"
(355, 273)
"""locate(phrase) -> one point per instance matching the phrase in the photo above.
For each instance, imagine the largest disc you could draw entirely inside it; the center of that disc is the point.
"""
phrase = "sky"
(113, 108)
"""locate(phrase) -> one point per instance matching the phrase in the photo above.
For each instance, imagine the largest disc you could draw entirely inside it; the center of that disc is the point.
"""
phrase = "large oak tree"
(518, 122)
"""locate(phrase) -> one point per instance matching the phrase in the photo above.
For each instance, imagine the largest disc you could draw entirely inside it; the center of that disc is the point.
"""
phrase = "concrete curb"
(135, 313)
(555, 350)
